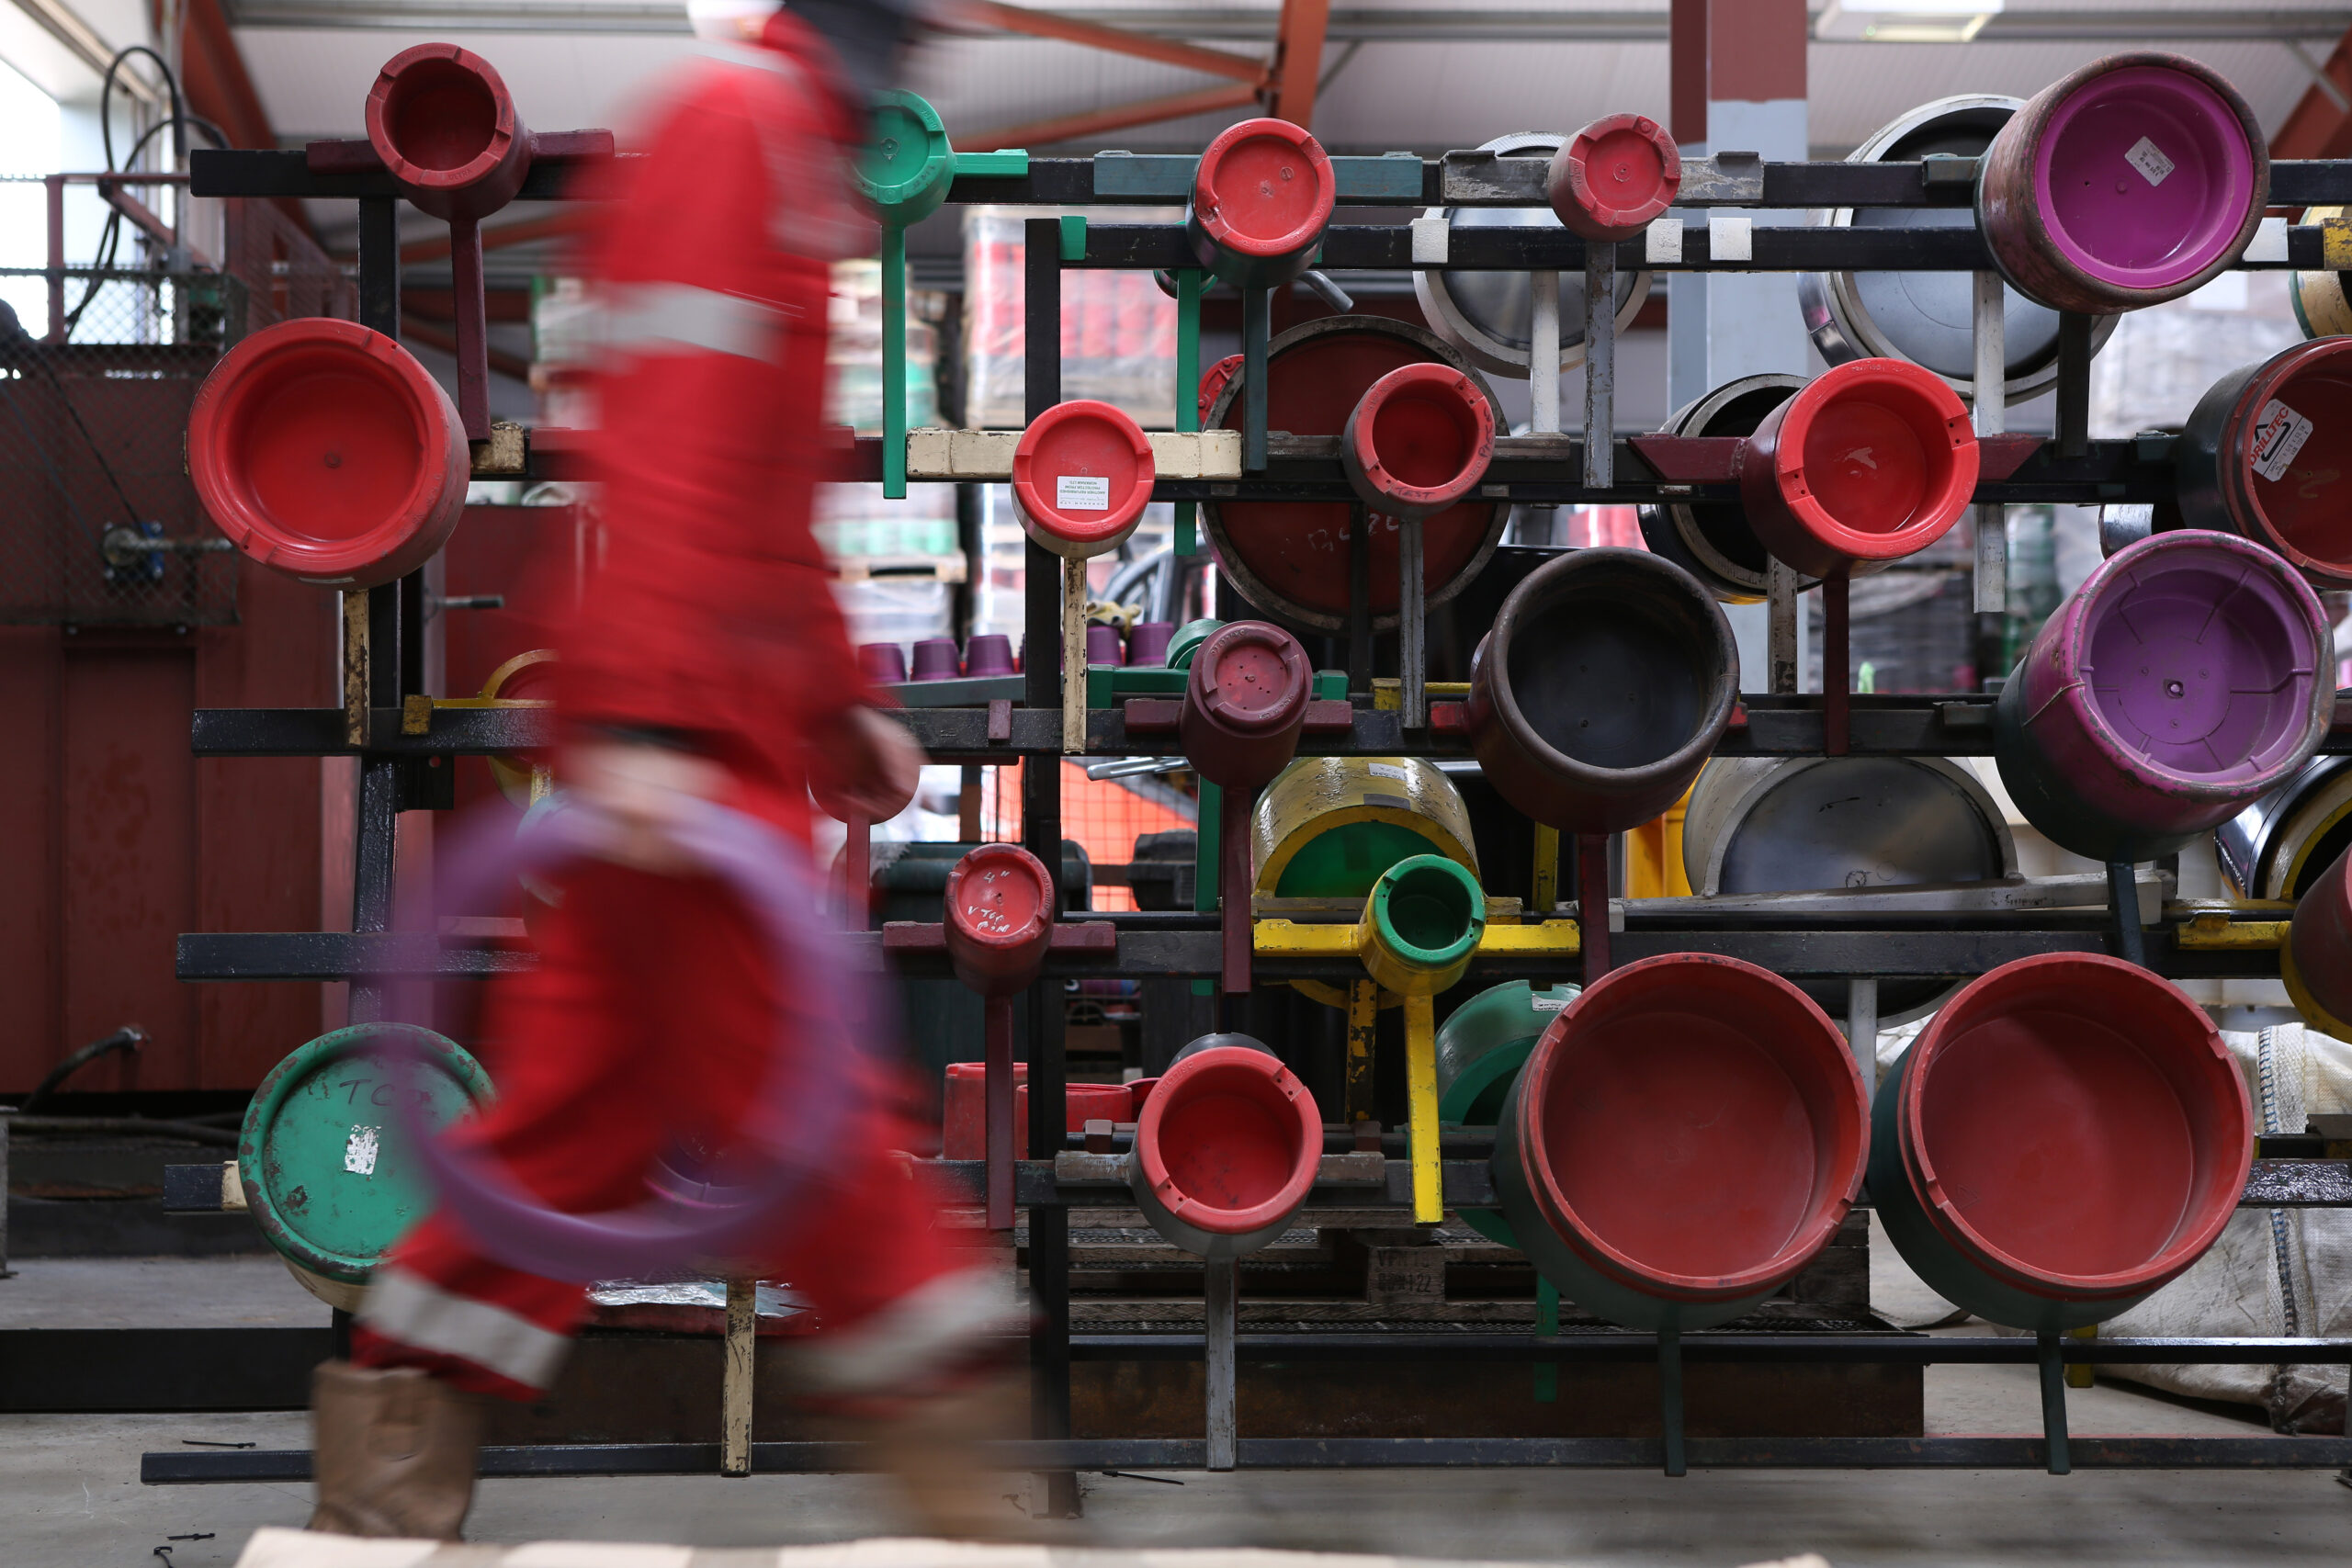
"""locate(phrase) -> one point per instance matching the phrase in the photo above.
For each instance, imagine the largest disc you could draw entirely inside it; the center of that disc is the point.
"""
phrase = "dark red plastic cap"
(1261, 195)
(1871, 461)
(1081, 477)
(1000, 914)
(324, 451)
(1245, 703)
(443, 122)
(1418, 441)
(1214, 378)
(1613, 177)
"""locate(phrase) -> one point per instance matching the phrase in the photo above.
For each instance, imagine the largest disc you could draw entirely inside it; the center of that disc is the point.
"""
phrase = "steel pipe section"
(1798, 824)
(1000, 918)
(323, 450)
(1294, 560)
(1607, 680)
(2316, 962)
(528, 677)
(2066, 1136)
(1928, 318)
(1261, 195)
(1245, 705)
(2321, 308)
(2259, 455)
(2189, 676)
(1226, 1148)
(1869, 462)
(1685, 1136)
(1489, 316)
(2276, 847)
(328, 1172)
(2132, 180)
(1082, 473)
(1612, 177)
(1418, 441)
(444, 124)
(1712, 539)
(1480, 1048)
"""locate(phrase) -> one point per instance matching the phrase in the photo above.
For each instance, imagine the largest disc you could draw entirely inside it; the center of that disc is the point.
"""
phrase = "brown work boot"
(931, 1447)
(393, 1450)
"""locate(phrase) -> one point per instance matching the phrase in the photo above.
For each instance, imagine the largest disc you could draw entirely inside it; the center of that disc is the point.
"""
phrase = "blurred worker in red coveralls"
(709, 660)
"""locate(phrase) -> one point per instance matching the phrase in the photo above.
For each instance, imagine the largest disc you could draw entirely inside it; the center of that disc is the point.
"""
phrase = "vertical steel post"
(1781, 627)
(1600, 365)
(470, 307)
(386, 647)
(894, 362)
(1422, 1143)
(2123, 906)
(1669, 1393)
(1363, 1035)
(54, 189)
(1542, 379)
(2074, 384)
(997, 1091)
(1041, 832)
(1412, 640)
(1191, 283)
(1220, 1306)
(1992, 416)
(1257, 324)
(1073, 656)
(1359, 598)
(1861, 1027)
(2054, 1402)
(735, 1379)
(1837, 703)
(1592, 903)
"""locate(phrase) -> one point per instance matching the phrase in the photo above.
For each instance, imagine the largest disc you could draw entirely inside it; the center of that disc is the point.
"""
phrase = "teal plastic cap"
(908, 165)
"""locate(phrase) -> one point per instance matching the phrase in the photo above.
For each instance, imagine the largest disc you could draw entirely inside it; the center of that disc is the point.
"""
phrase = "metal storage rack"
(402, 741)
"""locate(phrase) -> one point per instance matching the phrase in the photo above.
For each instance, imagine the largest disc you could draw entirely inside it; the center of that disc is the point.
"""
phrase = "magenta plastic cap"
(1869, 462)
(2131, 181)
(989, 653)
(1613, 177)
(999, 917)
(1245, 703)
(1147, 642)
(1418, 441)
(1081, 475)
(935, 660)
(443, 122)
(884, 663)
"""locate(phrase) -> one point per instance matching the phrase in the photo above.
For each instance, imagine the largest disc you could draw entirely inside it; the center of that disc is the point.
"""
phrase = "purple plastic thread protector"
(2144, 177)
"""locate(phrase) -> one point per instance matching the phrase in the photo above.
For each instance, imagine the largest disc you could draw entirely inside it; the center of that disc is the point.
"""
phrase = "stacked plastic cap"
(1611, 178)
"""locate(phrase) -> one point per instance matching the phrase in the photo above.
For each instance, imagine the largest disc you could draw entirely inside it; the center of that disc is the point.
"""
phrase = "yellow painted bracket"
(416, 710)
(2211, 930)
(2079, 1374)
(1420, 1102)
(1364, 1029)
(1300, 939)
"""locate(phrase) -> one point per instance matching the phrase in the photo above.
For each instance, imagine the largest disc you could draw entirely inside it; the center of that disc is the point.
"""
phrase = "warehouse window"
(31, 143)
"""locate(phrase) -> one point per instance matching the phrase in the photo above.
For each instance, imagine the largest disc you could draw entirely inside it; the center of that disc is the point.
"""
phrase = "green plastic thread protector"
(1191, 283)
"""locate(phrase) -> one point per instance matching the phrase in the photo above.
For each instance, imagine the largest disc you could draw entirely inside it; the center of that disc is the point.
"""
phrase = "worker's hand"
(866, 764)
(641, 789)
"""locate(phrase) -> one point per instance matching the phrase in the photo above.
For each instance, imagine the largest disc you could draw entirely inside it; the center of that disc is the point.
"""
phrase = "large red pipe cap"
(1694, 1129)
(2131, 181)
(2074, 1126)
(1613, 177)
(1261, 195)
(1081, 475)
(1871, 461)
(2317, 960)
(1226, 1149)
(1245, 705)
(999, 917)
(1418, 441)
(326, 451)
(443, 122)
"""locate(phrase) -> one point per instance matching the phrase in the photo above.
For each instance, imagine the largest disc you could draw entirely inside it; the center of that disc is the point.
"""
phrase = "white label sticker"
(2148, 158)
(1082, 492)
(1389, 770)
(1552, 1004)
(359, 1153)
(2278, 433)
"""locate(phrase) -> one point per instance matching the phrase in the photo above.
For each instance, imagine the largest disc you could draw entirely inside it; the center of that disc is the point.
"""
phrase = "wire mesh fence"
(99, 523)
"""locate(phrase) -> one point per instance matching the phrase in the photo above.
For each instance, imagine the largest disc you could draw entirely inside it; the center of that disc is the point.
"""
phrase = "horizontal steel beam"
(179, 1468)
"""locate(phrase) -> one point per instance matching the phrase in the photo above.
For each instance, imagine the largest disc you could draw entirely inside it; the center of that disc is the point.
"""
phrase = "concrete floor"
(69, 1496)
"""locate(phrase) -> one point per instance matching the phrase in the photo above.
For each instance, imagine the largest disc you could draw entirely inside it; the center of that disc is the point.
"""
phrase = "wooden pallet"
(949, 567)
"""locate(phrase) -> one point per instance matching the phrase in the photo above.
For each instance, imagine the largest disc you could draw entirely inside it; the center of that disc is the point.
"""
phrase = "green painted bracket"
(1073, 237)
(1010, 163)
(1191, 283)
(1210, 822)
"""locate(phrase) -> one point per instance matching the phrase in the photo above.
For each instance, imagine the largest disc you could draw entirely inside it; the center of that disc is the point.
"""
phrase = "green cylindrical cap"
(908, 165)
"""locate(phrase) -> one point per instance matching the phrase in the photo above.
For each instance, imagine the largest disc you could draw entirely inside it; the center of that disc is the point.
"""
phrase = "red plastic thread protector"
(323, 450)
(1214, 378)
(1245, 705)
(998, 918)
(1297, 195)
(2153, 1029)
(442, 121)
(1081, 475)
(1871, 461)
(1240, 1073)
(1418, 440)
(1611, 178)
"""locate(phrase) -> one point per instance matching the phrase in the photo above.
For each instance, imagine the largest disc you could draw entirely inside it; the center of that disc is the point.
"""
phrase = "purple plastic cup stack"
(1147, 642)
(935, 660)
(884, 663)
(989, 653)
(1102, 645)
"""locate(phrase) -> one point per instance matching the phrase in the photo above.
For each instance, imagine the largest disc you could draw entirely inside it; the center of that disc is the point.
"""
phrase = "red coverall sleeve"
(711, 610)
